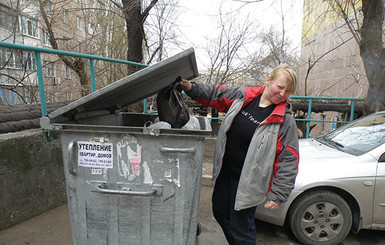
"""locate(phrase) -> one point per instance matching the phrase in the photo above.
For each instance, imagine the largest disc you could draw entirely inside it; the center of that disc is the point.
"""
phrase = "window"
(55, 81)
(90, 4)
(29, 61)
(358, 137)
(28, 26)
(10, 58)
(68, 96)
(51, 97)
(79, 23)
(100, 5)
(48, 8)
(10, 97)
(50, 70)
(91, 28)
(80, 48)
(8, 18)
(67, 72)
(65, 17)
(46, 38)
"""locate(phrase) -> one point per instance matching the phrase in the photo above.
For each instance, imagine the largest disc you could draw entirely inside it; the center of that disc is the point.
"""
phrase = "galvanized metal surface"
(135, 87)
(149, 196)
(127, 183)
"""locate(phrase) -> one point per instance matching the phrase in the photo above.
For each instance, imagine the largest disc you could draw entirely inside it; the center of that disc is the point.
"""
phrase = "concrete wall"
(31, 176)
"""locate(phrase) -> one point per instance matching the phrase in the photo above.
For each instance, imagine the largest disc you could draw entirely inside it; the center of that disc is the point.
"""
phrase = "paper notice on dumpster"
(95, 155)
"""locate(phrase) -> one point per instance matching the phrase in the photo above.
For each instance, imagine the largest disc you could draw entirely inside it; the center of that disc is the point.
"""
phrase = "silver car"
(340, 185)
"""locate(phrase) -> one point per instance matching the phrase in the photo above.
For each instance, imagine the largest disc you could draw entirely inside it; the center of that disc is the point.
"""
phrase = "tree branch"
(147, 10)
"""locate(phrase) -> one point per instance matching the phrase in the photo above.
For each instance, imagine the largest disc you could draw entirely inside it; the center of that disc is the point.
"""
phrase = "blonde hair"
(289, 73)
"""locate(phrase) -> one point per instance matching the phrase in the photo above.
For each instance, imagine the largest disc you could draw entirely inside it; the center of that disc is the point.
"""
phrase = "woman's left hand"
(186, 85)
(271, 205)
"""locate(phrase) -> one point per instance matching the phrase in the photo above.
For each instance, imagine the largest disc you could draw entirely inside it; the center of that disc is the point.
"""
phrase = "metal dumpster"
(127, 183)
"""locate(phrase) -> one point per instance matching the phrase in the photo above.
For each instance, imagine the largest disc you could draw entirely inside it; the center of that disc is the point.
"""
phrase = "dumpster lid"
(134, 87)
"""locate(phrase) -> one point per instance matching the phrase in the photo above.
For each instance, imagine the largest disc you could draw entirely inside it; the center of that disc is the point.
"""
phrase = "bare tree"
(160, 30)
(367, 32)
(20, 62)
(52, 24)
(275, 49)
(227, 51)
(373, 53)
(102, 26)
(135, 17)
(313, 60)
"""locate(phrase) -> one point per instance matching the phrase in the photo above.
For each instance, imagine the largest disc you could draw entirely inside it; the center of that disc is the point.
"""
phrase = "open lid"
(134, 87)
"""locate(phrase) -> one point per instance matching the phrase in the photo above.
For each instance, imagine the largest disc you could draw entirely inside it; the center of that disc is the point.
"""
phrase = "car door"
(379, 195)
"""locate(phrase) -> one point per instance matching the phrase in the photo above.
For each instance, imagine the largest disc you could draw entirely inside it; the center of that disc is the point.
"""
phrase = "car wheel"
(321, 217)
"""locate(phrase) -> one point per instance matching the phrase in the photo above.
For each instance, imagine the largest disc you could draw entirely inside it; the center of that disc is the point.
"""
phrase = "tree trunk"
(77, 65)
(372, 54)
(135, 32)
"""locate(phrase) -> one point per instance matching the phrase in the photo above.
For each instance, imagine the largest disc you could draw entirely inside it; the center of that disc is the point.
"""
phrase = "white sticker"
(96, 171)
(167, 174)
(95, 155)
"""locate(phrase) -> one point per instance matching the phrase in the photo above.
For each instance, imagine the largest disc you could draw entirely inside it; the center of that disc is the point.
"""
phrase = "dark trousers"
(238, 226)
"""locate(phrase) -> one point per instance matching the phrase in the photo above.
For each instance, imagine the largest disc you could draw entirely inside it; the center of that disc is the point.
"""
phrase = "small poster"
(95, 155)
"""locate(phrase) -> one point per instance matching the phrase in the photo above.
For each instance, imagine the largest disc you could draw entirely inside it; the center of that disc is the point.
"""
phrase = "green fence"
(91, 58)
(308, 120)
(39, 71)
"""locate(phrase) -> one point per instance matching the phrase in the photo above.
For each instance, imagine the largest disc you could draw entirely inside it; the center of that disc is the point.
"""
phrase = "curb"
(207, 180)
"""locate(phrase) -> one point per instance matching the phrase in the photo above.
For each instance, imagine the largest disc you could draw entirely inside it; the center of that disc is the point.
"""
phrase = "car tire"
(320, 217)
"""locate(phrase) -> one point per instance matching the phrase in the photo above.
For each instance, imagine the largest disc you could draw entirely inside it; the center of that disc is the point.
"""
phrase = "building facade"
(76, 26)
(330, 63)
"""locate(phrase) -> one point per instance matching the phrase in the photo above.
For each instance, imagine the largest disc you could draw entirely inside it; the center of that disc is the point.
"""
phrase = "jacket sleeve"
(216, 96)
(286, 163)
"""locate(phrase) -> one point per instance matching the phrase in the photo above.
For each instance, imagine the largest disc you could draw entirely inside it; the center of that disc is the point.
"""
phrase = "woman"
(256, 155)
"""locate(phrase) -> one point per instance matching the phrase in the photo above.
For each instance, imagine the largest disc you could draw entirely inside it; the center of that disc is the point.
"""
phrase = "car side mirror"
(382, 158)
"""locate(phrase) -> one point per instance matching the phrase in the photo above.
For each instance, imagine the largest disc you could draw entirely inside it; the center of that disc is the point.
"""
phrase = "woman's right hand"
(186, 85)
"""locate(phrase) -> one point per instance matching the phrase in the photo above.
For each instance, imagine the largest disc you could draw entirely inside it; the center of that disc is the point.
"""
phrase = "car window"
(358, 137)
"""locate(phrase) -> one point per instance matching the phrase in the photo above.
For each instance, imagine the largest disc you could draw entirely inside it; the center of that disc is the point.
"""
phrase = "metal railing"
(308, 120)
(39, 50)
(39, 71)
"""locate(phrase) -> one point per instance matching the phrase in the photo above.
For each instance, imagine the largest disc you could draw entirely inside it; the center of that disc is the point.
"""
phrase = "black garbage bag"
(171, 106)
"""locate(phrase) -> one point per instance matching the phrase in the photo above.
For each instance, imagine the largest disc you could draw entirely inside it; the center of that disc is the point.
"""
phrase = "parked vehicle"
(340, 184)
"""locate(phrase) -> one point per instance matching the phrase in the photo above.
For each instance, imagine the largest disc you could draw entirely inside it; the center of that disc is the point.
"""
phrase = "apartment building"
(76, 29)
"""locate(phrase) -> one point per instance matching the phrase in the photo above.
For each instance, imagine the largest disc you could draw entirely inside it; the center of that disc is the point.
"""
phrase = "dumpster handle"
(71, 161)
(99, 188)
(176, 150)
